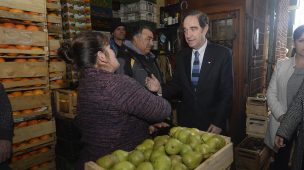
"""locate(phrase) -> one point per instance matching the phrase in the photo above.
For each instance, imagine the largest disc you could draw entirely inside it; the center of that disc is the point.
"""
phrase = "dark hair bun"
(65, 52)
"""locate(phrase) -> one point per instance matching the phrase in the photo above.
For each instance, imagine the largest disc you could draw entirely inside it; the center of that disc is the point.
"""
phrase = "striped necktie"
(195, 69)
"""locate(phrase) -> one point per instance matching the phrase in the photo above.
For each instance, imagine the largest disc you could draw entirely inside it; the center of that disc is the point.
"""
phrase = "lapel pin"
(209, 62)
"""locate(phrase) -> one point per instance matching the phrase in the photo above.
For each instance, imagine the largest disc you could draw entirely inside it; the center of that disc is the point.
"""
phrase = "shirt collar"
(202, 49)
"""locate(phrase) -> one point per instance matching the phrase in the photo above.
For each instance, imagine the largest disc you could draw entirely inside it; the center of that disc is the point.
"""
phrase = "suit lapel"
(208, 61)
(187, 64)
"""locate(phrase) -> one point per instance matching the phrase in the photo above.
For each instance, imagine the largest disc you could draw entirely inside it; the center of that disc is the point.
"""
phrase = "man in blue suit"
(203, 79)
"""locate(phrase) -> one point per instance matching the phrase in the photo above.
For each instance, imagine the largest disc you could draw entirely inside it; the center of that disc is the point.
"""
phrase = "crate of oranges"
(66, 101)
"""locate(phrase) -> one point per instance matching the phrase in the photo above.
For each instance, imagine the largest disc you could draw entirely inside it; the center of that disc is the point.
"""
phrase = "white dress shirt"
(201, 52)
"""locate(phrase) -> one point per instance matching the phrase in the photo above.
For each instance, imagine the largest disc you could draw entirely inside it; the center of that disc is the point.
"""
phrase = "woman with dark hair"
(285, 82)
(114, 111)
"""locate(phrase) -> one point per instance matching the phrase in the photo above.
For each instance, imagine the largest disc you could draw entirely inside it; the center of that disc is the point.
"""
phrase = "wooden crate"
(28, 132)
(55, 28)
(221, 160)
(54, 19)
(23, 37)
(53, 46)
(38, 6)
(256, 126)
(26, 84)
(66, 101)
(53, 6)
(251, 158)
(26, 163)
(256, 106)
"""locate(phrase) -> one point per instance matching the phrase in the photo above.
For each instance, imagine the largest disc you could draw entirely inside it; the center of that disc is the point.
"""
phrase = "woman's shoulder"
(285, 62)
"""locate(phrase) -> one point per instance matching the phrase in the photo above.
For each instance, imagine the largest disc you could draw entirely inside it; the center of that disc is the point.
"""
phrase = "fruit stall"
(183, 148)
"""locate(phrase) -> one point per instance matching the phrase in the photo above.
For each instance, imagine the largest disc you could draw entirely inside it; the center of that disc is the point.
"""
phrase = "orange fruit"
(44, 149)
(60, 81)
(34, 167)
(32, 122)
(23, 144)
(27, 93)
(16, 10)
(17, 79)
(32, 13)
(27, 21)
(4, 8)
(32, 28)
(36, 48)
(21, 124)
(45, 137)
(23, 47)
(20, 60)
(32, 60)
(3, 45)
(20, 26)
(16, 113)
(43, 120)
(8, 25)
(38, 92)
(52, 14)
(13, 48)
(16, 93)
(2, 60)
(33, 152)
(24, 156)
(34, 140)
(51, 37)
(26, 111)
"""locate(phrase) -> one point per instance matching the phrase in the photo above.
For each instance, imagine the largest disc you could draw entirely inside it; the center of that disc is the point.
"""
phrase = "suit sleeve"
(6, 119)
(225, 90)
(138, 101)
(293, 116)
(173, 88)
(272, 95)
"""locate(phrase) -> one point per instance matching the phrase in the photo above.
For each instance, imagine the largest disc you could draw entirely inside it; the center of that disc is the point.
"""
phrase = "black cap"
(116, 24)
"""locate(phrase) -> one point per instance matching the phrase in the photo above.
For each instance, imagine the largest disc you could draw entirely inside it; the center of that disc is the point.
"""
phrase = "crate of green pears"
(183, 149)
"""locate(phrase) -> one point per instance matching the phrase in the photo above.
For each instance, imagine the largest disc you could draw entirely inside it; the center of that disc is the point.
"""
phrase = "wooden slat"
(23, 37)
(55, 29)
(23, 16)
(28, 5)
(25, 69)
(57, 67)
(54, 19)
(26, 133)
(30, 102)
(53, 6)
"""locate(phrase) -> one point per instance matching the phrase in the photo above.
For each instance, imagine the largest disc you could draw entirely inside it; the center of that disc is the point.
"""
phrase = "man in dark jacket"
(6, 129)
(140, 62)
(203, 79)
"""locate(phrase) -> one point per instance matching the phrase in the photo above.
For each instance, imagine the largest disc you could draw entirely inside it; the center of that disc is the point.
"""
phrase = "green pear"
(141, 147)
(107, 161)
(183, 135)
(157, 152)
(124, 165)
(145, 166)
(175, 159)
(136, 157)
(121, 155)
(194, 131)
(162, 162)
(173, 146)
(148, 143)
(204, 149)
(185, 148)
(174, 130)
(192, 159)
(194, 140)
(205, 137)
(216, 143)
(147, 154)
(160, 140)
(179, 166)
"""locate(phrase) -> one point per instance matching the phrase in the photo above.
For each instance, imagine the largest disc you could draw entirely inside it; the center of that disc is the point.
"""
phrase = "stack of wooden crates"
(25, 76)
(57, 67)
(251, 153)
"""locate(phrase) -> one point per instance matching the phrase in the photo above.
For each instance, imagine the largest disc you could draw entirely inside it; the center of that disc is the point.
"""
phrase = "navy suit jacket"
(211, 101)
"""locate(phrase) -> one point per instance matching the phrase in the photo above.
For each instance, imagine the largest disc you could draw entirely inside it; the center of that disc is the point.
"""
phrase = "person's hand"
(153, 128)
(5, 150)
(279, 142)
(214, 129)
(153, 84)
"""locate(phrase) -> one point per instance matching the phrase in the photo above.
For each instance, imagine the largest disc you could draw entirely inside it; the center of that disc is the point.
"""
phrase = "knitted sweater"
(6, 119)
(114, 112)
